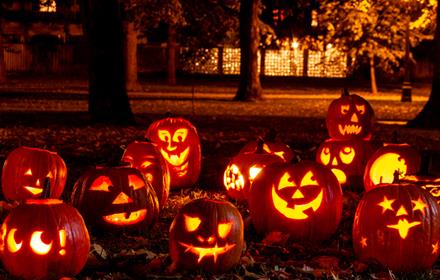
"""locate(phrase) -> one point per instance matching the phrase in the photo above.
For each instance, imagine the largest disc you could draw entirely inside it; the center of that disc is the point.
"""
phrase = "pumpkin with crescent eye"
(277, 148)
(303, 200)
(42, 239)
(145, 157)
(398, 225)
(349, 117)
(26, 170)
(242, 170)
(347, 160)
(206, 234)
(387, 160)
(179, 144)
(115, 199)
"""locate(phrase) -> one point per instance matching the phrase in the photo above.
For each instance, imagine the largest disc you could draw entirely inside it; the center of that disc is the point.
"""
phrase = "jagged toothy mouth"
(349, 129)
(206, 252)
(122, 219)
(175, 159)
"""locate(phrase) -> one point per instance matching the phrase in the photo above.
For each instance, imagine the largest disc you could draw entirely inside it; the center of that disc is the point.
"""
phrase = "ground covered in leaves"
(300, 124)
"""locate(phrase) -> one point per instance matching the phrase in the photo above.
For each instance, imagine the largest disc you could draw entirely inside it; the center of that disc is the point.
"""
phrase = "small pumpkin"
(145, 157)
(398, 225)
(277, 148)
(387, 160)
(115, 199)
(207, 235)
(347, 160)
(43, 239)
(179, 144)
(303, 200)
(26, 169)
(350, 116)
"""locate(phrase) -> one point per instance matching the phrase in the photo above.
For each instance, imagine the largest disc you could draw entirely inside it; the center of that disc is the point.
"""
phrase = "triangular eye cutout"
(309, 179)
(28, 172)
(49, 175)
(286, 182)
(224, 229)
(135, 182)
(102, 183)
(191, 223)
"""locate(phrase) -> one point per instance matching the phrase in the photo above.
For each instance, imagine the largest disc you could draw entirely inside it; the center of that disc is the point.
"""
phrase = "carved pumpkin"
(26, 170)
(208, 235)
(145, 157)
(429, 183)
(304, 200)
(388, 159)
(346, 159)
(349, 117)
(399, 226)
(277, 148)
(43, 239)
(242, 170)
(179, 144)
(115, 198)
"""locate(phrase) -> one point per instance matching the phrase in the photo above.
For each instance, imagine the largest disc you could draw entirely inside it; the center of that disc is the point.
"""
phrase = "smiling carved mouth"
(206, 252)
(175, 159)
(349, 129)
(33, 190)
(121, 219)
(340, 175)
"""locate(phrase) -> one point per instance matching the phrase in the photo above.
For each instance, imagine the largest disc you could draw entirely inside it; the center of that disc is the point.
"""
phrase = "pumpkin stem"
(260, 144)
(271, 135)
(396, 175)
(46, 189)
(345, 92)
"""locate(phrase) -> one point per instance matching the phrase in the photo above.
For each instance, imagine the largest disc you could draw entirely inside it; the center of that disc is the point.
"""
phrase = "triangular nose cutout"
(354, 118)
(401, 212)
(298, 194)
(122, 198)
(335, 161)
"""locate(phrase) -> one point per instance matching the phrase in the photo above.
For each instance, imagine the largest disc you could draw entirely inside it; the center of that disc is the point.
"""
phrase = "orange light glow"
(62, 236)
(386, 204)
(232, 178)
(254, 171)
(401, 212)
(286, 182)
(383, 168)
(191, 223)
(224, 229)
(403, 226)
(435, 248)
(34, 191)
(363, 242)
(297, 212)
(136, 182)
(122, 198)
(122, 219)
(309, 180)
(28, 172)
(206, 252)
(340, 175)
(349, 129)
(325, 156)
(37, 245)
(13, 246)
(347, 154)
(102, 183)
(176, 159)
(419, 205)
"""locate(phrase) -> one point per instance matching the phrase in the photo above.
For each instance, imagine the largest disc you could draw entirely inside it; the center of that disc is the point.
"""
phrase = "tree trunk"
(373, 75)
(2, 57)
(103, 28)
(132, 82)
(430, 115)
(249, 88)
(171, 47)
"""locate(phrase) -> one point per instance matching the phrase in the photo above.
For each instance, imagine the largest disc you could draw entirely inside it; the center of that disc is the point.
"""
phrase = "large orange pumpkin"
(26, 171)
(399, 226)
(44, 239)
(207, 235)
(304, 200)
(145, 157)
(179, 144)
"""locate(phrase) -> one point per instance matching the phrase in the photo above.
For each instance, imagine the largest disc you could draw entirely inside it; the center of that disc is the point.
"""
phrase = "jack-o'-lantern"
(242, 170)
(303, 200)
(206, 234)
(347, 160)
(145, 157)
(387, 160)
(349, 117)
(115, 199)
(179, 144)
(399, 226)
(277, 148)
(43, 239)
(26, 170)
(429, 183)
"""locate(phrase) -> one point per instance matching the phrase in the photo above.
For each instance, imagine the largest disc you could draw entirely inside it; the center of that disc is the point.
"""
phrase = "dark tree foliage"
(429, 117)
(108, 99)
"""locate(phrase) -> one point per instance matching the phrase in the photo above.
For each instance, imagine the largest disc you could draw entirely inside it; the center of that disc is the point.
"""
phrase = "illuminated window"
(231, 61)
(49, 6)
(283, 62)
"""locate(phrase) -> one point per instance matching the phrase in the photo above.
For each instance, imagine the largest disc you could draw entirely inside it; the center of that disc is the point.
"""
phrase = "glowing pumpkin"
(43, 239)
(277, 148)
(398, 226)
(115, 198)
(208, 235)
(145, 157)
(347, 160)
(304, 200)
(179, 144)
(242, 170)
(429, 183)
(350, 117)
(388, 159)
(26, 170)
